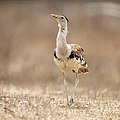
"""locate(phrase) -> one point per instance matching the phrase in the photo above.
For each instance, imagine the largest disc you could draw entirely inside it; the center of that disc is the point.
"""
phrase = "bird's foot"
(71, 101)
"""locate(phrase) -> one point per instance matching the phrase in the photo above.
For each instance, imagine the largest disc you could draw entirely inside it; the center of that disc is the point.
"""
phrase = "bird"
(68, 56)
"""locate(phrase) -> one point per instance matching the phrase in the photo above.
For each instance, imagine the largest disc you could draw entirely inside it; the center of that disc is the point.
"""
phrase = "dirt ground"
(21, 104)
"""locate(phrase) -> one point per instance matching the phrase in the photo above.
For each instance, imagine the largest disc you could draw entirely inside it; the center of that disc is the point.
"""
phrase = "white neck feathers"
(63, 49)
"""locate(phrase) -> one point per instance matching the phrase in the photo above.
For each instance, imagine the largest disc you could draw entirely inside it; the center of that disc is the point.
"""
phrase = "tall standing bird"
(68, 56)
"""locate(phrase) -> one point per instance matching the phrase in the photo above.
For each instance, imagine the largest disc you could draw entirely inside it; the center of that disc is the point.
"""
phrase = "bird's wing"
(78, 53)
(77, 50)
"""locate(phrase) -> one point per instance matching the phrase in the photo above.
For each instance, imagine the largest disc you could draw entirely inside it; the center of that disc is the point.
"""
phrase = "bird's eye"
(62, 17)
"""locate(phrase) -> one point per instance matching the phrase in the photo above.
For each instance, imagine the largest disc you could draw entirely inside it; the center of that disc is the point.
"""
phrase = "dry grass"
(18, 104)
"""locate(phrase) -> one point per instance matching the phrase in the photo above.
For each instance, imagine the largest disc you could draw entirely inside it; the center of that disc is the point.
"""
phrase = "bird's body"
(74, 61)
(68, 56)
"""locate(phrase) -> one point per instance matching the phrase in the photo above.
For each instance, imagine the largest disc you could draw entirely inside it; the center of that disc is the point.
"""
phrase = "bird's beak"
(55, 16)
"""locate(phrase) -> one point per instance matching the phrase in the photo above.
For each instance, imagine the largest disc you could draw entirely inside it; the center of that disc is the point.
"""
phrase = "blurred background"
(27, 41)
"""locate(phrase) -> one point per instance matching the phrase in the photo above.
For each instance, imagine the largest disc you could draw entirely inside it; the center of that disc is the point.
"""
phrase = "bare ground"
(21, 104)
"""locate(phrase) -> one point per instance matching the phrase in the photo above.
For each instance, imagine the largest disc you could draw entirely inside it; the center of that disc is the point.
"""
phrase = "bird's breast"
(62, 54)
(60, 63)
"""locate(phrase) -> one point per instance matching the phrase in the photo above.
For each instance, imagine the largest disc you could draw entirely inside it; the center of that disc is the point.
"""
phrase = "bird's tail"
(83, 68)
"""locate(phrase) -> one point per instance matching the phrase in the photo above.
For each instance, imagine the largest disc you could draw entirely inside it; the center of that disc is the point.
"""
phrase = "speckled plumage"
(75, 62)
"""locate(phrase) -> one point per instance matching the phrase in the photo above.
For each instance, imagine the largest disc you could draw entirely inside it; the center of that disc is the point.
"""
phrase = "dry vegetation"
(31, 85)
(23, 105)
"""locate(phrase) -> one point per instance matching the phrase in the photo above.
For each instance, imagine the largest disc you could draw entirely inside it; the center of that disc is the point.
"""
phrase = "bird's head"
(61, 19)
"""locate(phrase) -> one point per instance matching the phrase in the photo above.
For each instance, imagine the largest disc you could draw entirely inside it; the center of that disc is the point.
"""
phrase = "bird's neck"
(63, 49)
(61, 36)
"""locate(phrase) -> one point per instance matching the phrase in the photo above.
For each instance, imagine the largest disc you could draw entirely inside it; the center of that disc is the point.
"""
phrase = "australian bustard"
(68, 56)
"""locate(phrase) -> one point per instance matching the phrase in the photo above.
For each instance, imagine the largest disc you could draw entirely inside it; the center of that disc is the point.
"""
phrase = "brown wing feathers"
(78, 53)
(77, 50)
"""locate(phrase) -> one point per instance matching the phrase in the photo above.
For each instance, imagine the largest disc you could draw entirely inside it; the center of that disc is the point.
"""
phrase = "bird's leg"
(65, 87)
(74, 89)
